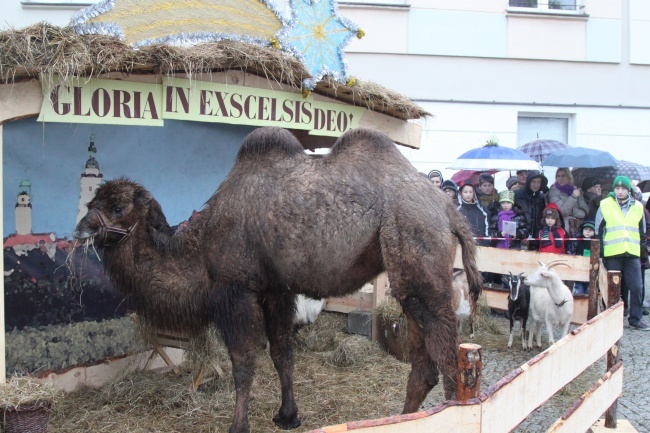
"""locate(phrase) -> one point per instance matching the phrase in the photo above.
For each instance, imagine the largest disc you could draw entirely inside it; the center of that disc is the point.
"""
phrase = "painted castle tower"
(91, 178)
(24, 208)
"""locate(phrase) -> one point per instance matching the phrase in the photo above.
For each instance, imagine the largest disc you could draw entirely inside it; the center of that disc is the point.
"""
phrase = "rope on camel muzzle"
(110, 229)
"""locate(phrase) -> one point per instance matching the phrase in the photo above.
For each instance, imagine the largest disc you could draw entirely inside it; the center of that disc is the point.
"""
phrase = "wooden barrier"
(524, 389)
(502, 261)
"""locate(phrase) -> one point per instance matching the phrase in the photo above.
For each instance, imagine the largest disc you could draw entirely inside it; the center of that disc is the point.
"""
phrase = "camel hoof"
(287, 425)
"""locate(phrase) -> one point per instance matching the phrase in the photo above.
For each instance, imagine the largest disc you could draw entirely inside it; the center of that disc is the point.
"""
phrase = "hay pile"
(338, 378)
(27, 390)
(43, 50)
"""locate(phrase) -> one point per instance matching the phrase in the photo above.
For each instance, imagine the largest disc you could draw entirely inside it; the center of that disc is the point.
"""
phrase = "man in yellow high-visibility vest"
(620, 225)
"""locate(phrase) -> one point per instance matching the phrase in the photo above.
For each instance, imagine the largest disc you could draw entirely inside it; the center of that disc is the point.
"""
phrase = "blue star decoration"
(316, 35)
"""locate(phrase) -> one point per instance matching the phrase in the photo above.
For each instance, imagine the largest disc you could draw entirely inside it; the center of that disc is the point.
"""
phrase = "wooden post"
(613, 354)
(378, 296)
(470, 370)
(594, 265)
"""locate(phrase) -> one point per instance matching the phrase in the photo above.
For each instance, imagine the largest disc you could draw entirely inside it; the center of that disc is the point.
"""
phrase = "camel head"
(118, 208)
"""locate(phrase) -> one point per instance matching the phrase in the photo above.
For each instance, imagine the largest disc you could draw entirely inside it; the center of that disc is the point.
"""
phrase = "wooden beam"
(502, 261)
(613, 354)
(586, 411)
(528, 387)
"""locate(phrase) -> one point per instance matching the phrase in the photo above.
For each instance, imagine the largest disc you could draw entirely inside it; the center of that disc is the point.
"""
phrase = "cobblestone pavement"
(634, 405)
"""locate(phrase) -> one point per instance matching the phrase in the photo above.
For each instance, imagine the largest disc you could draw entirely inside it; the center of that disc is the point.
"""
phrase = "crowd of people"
(562, 218)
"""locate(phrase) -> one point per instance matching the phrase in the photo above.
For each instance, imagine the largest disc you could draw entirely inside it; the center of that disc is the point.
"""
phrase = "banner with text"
(130, 103)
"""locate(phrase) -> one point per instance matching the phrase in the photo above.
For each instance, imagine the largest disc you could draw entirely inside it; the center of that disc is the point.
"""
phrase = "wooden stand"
(179, 342)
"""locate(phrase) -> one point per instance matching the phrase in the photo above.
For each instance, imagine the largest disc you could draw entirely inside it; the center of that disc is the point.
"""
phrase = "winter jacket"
(522, 227)
(552, 247)
(593, 203)
(489, 202)
(569, 206)
(477, 217)
(532, 204)
(581, 247)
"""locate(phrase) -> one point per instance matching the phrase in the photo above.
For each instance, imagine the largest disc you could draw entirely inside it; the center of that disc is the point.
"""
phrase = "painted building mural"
(56, 294)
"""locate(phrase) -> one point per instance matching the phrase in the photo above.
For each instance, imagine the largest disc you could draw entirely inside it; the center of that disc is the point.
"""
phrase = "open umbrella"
(494, 157)
(541, 148)
(580, 157)
(607, 174)
(463, 175)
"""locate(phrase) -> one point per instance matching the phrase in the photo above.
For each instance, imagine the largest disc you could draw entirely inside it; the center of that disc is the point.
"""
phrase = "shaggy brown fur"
(284, 223)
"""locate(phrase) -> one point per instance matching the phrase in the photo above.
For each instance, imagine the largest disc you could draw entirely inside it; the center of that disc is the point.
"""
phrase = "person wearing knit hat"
(510, 225)
(582, 247)
(621, 226)
(436, 177)
(509, 212)
(623, 181)
(450, 188)
(512, 180)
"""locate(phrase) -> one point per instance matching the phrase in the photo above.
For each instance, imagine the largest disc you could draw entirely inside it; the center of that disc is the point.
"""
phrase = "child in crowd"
(582, 247)
(552, 234)
(509, 212)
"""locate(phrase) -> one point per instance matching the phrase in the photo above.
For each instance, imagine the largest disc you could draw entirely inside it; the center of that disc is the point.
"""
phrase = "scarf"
(546, 239)
(504, 215)
(565, 189)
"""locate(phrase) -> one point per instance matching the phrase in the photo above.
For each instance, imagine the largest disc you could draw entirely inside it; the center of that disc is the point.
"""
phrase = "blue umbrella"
(494, 157)
(580, 157)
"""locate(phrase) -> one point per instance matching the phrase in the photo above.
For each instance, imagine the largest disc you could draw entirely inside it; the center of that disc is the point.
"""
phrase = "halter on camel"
(110, 229)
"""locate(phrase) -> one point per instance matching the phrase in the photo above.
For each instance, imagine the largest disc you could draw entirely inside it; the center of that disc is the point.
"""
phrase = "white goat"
(307, 310)
(551, 301)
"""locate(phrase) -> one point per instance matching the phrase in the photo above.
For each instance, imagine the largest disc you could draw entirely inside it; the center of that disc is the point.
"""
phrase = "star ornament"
(317, 35)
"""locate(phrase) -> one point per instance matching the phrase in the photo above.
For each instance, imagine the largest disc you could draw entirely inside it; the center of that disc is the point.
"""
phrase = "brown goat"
(284, 223)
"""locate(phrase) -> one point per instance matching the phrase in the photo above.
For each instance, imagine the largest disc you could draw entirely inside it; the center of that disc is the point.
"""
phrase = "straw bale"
(42, 51)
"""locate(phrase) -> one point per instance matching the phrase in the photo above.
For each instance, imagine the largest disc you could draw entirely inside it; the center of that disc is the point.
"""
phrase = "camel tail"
(468, 248)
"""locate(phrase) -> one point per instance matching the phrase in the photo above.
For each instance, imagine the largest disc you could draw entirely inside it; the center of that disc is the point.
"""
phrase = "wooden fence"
(509, 401)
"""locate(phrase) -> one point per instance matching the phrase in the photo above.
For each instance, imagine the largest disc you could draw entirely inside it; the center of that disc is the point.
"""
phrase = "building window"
(549, 5)
(533, 126)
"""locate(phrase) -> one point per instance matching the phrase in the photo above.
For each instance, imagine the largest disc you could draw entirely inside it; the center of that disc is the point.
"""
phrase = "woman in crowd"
(472, 210)
(532, 200)
(569, 200)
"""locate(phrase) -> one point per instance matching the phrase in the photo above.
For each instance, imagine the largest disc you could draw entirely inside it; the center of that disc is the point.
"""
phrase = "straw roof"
(43, 50)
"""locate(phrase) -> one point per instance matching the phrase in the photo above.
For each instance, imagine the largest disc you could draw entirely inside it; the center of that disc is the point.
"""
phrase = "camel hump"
(269, 140)
(366, 140)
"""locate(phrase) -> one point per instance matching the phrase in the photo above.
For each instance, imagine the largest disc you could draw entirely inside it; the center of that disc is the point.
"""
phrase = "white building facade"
(573, 70)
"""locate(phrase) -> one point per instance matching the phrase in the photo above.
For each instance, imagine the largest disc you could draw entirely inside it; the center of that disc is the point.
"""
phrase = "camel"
(283, 223)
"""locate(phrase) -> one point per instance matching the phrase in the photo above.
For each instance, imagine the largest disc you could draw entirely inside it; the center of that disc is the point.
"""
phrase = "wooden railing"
(509, 401)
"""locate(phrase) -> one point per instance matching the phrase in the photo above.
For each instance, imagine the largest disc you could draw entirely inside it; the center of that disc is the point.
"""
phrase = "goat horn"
(540, 263)
(520, 274)
(558, 263)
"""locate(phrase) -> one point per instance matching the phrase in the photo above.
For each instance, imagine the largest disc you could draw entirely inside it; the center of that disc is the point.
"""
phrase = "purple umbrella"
(541, 148)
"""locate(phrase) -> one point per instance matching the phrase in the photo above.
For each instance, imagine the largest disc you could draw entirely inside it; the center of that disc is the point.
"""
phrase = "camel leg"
(279, 311)
(435, 343)
(424, 372)
(240, 326)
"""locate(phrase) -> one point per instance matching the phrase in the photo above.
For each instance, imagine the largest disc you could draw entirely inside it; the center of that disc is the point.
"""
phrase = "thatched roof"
(42, 50)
